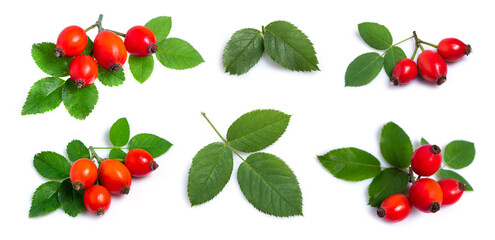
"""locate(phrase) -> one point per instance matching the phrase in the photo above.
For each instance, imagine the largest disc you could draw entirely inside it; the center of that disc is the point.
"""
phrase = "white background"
(325, 116)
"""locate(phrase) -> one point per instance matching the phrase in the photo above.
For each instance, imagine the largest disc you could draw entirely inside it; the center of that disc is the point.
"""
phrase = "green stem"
(414, 53)
(263, 30)
(110, 148)
(403, 41)
(427, 43)
(94, 155)
(223, 139)
(418, 41)
(118, 33)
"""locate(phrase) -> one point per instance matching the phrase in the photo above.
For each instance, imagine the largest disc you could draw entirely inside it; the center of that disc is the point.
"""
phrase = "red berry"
(453, 49)
(452, 190)
(115, 176)
(140, 41)
(97, 199)
(426, 195)
(426, 160)
(83, 174)
(432, 67)
(395, 208)
(109, 51)
(404, 72)
(140, 162)
(83, 70)
(71, 42)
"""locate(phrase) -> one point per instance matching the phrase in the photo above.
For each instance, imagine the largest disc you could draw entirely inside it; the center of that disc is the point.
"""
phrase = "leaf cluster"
(353, 164)
(58, 191)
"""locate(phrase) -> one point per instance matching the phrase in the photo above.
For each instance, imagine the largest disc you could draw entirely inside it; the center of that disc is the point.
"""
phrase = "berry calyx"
(395, 208)
(140, 41)
(114, 176)
(83, 174)
(426, 195)
(426, 160)
(83, 70)
(109, 51)
(71, 42)
(97, 200)
(453, 49)
(140, 162)
(404, 72)
(432, 67)
(452, 190)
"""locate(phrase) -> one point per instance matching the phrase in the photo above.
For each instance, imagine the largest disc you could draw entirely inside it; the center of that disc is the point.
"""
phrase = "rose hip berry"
(140, 162)
(140, 41)
(71, 42)
(109, 51)
(83, 70)
(404, 72)
(426, 160)
(395, 208)
(97, 199)
(432, 67)
(115, 176)
(452, 190)
(83, 174)
(426, 195)
(453, 49)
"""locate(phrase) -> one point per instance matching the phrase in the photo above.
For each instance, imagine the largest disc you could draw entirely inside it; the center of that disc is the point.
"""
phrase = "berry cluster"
(109, 51)
(431, 65)
(114, 177)
(425, 194)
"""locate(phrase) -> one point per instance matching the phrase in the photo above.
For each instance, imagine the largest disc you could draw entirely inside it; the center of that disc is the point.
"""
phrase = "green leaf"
(210, 171)
(79, 102)
(392, 57)
(117, 153)
(44, 56)
(451, 174)
(375, 35)
(424, 142)
(363, 69)
(390, 181)
(77, 150)
(120, 133)
(141, 67)
(51, 165)
(155, 145)
(459, 154)
(178, 54)
(290, 47)
(45, 95)
(350, 164)
(270, 185)
(45, 199)
(243, 51)
(395, 145)
(111, 78)
(257, 130)
(160, 26)
(70, 200)
(89, 48)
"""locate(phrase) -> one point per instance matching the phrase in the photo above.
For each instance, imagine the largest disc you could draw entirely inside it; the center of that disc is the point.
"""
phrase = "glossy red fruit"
(452, 190)
(83, 70)
(426, 160)
(426, 195)
(83, 174)
(453, 49)
(432, 67)
(109, 51)
(140, 162)
(395, 208)
(71, 42)
(114, 176)
(140, 41)
(404, 72)
(97, 199)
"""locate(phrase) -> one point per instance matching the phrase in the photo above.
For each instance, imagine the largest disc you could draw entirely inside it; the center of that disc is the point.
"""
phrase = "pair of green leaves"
(48, 93)
(363, 69)
(284, 43)
(58, 192)
(354, 164)
(266, 181)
